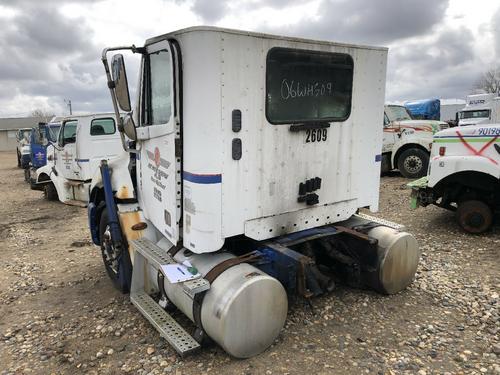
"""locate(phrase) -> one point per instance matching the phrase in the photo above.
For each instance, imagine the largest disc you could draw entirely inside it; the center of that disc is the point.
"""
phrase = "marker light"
(442, 151)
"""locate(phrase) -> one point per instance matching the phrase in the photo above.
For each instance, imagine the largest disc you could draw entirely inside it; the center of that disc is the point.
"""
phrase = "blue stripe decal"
(82, 160)
(378, 158)
(202, 178)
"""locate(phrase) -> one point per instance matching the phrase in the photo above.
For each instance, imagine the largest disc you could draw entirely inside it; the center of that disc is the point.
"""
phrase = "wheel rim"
(413, 164)
(109, 252)
(474, 220)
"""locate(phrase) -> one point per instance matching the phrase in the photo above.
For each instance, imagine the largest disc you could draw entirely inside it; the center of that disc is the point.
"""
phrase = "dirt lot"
(60, 314)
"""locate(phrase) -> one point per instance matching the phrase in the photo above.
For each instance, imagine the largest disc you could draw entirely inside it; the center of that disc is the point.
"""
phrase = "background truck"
(464, 176)
(406, 142)
(480, 109)
(23, 147)
(41, 136)
(435, 109)
(252, 154)
(72, 161)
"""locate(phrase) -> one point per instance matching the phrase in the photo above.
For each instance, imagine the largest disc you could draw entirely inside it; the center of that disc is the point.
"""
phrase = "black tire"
(50, 192)
(117, 263)
(474, 216)
(413, 163)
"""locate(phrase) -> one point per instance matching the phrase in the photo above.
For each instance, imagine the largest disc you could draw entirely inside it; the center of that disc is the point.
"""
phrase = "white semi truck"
(406, 142)
(464, 176)
(251, 157)
(73, 160)
(480, 109)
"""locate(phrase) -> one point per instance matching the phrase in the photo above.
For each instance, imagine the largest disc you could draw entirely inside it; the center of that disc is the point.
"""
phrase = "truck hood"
(471, 130)
(473, 121)
(422, 125)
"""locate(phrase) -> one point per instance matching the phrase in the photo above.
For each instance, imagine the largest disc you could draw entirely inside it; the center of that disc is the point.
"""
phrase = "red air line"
(480, 152)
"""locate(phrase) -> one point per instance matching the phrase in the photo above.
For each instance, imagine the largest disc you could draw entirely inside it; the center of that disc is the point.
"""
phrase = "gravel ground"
(60, 314)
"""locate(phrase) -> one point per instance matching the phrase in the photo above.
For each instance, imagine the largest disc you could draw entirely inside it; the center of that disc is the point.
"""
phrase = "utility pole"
(68, 102)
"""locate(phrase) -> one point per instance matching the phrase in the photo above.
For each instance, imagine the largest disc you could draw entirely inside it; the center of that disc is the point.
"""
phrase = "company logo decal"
(67, 157)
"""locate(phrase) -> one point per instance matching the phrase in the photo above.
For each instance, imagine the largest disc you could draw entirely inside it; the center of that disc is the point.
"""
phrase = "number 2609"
(316, 135)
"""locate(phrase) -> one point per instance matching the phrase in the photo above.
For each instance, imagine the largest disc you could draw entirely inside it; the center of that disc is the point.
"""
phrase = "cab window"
(386, 120)
(68, 133)
(308, 86)
(102, 126)
(158, 88)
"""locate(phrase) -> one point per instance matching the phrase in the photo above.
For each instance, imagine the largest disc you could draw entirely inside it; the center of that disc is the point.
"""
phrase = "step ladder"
(380, 221)
(146, 253)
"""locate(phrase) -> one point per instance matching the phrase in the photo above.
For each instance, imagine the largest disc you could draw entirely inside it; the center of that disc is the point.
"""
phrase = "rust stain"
(127, 220)
(123, 193)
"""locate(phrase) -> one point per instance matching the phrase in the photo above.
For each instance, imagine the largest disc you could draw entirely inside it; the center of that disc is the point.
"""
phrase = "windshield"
(475, 114)
(52, 132)
(397, 113)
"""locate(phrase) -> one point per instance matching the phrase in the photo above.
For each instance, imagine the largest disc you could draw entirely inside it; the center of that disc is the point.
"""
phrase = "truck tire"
(413, 163)
(118, 266)
(50, 192)
(474, 216)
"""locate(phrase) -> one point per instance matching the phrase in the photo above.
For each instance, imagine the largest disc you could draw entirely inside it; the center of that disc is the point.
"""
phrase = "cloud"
(444, 65)
(360, 21)
(495, 26)
(47, 55)
(210, 11)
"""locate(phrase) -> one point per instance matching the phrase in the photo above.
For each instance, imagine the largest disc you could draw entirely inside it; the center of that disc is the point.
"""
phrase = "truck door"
(65, 152)
(389, 135)
(158, 167)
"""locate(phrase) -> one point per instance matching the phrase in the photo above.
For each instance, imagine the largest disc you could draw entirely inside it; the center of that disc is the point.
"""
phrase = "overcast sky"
(50, 49)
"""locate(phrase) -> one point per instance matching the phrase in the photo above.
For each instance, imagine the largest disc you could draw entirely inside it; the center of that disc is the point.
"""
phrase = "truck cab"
(74, 157)
(23, 147)
(251, 155)
(406, 142)
(464, 176)
(480, 109)
(41, 136)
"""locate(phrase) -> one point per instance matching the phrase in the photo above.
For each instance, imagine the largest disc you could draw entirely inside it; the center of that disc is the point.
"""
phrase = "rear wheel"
(50, 192)
(413, 163)
(116, 260)
(474, 216)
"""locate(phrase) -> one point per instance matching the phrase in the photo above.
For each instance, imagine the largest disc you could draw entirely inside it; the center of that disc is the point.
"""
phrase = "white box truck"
(480, 109)
(83, 142)
(251, 157)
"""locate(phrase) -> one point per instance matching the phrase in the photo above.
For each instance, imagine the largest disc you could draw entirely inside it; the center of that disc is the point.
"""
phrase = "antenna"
(68, 102)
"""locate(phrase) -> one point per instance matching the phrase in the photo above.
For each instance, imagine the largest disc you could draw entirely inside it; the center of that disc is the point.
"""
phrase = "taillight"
(442, 151)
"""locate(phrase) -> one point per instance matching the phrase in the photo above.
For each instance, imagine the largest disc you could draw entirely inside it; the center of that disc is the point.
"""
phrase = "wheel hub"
(413, 164)
(109, 251)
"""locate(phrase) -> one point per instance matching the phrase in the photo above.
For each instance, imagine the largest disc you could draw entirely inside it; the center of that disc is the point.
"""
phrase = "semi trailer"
(72, 161)
(436, 109)
(250, 157)
(480, 109)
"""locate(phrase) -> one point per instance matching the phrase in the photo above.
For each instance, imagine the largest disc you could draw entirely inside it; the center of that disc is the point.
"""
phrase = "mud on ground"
(60, 314)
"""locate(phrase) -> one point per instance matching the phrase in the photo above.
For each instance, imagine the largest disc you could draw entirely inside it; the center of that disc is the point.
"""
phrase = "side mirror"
(129, 127)
(119, 75)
